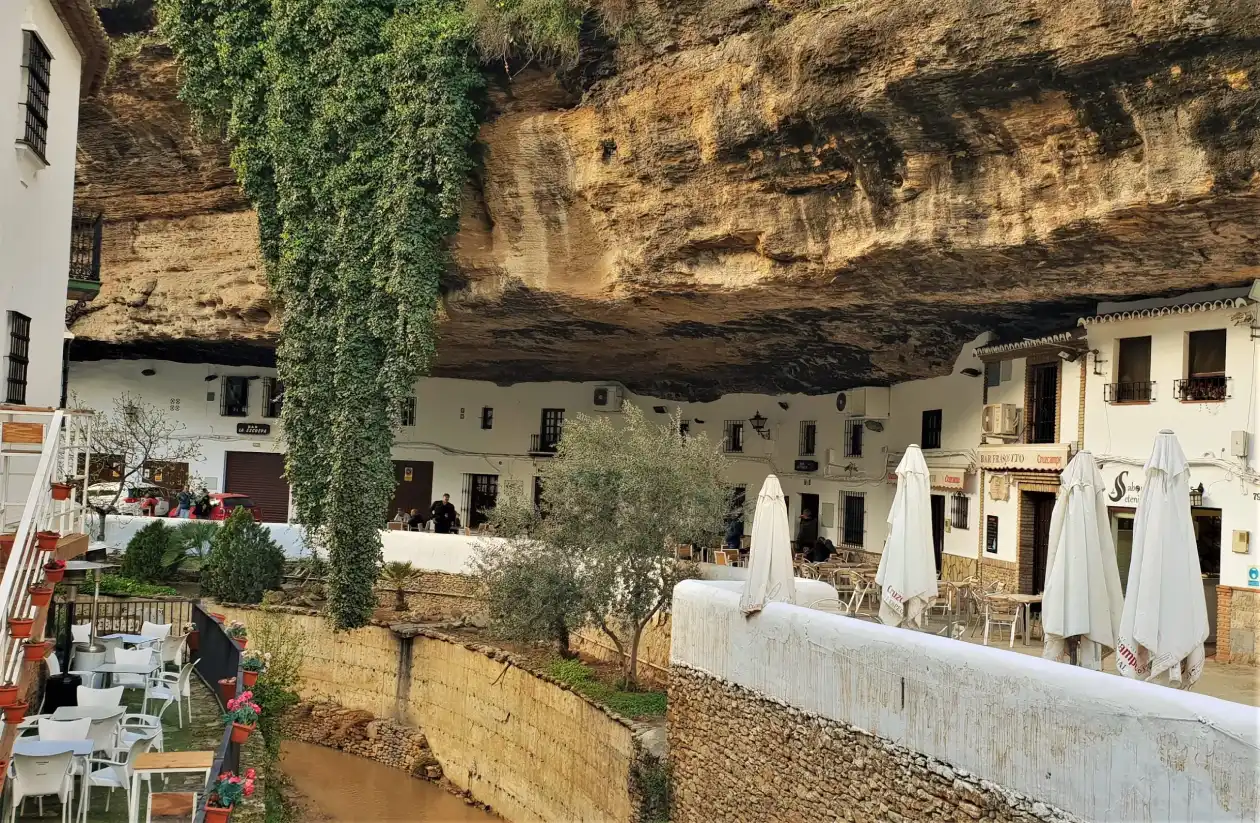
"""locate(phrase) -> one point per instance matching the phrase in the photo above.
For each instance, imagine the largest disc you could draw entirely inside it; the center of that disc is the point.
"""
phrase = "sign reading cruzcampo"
(1025, 457)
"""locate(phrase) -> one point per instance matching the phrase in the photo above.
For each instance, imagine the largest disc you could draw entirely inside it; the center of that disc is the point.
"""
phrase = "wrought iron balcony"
(85, 256)
(1133, 392)
(543, 443)
(1202, 389)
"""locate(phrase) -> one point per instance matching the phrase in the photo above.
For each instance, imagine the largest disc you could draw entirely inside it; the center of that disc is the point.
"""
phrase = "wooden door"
(413, 487)
(938, 528)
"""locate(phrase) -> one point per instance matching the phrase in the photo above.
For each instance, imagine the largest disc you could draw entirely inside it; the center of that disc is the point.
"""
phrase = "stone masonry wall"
(358, 732)
(1237, 625)
(736, 756)
(437, 595)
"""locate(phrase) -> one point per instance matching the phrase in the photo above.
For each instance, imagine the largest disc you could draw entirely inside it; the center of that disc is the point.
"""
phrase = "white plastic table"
(90, 712)
(111, 669)
(131, 639)
(155, 763)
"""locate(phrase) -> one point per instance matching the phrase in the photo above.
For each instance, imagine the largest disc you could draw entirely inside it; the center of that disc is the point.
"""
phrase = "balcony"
(1211, 389)
(1137, 392)
(85, 257)
(543, 444)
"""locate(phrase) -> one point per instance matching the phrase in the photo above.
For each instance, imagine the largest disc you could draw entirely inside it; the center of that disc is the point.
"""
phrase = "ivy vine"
(351, 124)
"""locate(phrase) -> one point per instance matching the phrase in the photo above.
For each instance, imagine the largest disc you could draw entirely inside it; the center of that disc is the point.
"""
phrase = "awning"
(1067, 341)
(1025, 457)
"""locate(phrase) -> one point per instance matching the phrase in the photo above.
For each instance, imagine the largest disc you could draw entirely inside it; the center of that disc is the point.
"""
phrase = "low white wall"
(1093, 744)
(432, 552)
(120, 528)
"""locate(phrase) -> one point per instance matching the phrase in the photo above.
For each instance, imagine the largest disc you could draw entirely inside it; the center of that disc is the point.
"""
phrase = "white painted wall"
(119, 529)
(1093, 744)
(36, 205)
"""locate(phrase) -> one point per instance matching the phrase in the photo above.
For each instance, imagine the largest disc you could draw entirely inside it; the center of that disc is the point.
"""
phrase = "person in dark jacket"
(416, 520)
(807, 532)
(444, 515)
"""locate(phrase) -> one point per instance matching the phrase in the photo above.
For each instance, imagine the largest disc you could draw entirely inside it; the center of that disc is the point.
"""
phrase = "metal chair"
(1001, 612)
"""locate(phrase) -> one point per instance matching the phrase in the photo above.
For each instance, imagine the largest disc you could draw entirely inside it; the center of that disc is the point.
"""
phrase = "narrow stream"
(344, 788)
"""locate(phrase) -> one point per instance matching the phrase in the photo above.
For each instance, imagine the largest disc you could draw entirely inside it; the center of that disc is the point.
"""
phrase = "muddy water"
(343, 788)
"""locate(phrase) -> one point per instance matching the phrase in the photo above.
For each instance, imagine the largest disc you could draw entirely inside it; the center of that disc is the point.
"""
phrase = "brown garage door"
(261, 476)
(413, 483)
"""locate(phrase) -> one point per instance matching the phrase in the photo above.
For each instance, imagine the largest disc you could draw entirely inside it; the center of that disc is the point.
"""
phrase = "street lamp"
(759, 424)
(1196, 497)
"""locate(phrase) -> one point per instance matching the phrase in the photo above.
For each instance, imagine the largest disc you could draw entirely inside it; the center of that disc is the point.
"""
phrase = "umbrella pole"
(72, 593)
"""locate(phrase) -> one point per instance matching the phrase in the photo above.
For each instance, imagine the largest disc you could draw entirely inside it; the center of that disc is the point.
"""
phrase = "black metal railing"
(543, 443)
(1134, 392)
(121, 616)
(1202, 389)
(85, 247)
(218, 658)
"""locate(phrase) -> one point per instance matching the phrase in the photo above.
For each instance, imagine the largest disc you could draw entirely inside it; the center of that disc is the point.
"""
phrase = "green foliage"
(351, 124)
(144, 560)
(244, 561)
(582, 679)
(397, 576)
(650, 781)
(543, 29)
(129, 46)
(281, 643)
(117, 585)
(191, 546)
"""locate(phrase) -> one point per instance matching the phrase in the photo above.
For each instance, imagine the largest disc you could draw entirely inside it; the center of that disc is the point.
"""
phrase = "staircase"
(38, 447)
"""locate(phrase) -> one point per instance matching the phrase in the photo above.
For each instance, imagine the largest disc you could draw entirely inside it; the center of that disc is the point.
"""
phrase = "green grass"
(584, 680)
(116, 584)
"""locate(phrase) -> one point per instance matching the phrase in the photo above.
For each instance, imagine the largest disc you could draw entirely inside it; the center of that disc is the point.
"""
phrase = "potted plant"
(6, 544)
(34, 650)
(14, 713)
(252, 665)
(61, 491)
(227, 688)
(228, 790)
(20, 626)
(8, 694)
(47, 541)
(41, 596)
(193, 635)
(218, 618)
(54, 570)
(242, 712)
(236, 630)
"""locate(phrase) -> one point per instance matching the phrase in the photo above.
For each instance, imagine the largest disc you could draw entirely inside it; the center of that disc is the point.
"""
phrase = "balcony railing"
(85, 256)
(543, 443)
(1202, 389)
(1134, 392)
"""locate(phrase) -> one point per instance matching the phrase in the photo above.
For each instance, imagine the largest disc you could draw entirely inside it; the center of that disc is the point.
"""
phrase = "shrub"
(146, 554)
(116, 585)
(244, 561)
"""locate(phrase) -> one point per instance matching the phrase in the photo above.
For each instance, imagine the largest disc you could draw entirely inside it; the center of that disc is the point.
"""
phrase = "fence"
(218, 658)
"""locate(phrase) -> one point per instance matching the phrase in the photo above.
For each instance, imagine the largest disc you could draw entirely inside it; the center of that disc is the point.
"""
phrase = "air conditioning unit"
(1001, 419)
(607, 398)
(873, 401)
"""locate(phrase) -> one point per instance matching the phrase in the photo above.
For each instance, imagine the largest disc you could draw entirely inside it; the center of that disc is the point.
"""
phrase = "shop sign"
(1253, 576)
(1124, 489)
(1030, 457)
(408, 474)
(948, 479)
(253, 428)
(1000, 487)
(806, 465)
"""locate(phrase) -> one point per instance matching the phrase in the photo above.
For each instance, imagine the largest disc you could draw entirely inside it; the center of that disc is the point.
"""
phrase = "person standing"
(807, 532)
(203, 504)
(444, 515)
(185, 503)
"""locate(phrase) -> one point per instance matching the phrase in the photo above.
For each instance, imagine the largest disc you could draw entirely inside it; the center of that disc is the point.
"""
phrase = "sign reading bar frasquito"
(1029, 457)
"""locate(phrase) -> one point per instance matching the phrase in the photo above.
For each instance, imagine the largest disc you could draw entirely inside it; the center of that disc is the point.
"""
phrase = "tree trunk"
(561, 632)
(400, 600)
(632, 662)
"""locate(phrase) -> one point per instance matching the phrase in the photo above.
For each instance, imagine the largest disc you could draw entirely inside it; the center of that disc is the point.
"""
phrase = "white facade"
(36, 194)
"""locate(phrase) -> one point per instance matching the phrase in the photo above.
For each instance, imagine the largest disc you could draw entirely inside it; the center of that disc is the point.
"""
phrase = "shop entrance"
(1034, 540)
(938, 529)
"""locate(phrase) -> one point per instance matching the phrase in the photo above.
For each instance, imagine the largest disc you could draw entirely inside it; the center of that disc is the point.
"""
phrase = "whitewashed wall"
(119, 529)
(1093, 744)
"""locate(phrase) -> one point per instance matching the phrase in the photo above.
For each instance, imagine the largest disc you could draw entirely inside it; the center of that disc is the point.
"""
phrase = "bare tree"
(135, 435)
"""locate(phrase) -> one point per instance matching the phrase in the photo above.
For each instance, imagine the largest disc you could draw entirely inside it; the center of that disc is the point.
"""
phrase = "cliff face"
(753, 196)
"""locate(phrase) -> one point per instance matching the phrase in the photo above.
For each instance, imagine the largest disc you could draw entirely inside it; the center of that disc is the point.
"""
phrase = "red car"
(222, 506)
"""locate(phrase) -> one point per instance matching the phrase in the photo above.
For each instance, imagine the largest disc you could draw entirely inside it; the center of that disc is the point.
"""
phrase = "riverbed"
(342, 788)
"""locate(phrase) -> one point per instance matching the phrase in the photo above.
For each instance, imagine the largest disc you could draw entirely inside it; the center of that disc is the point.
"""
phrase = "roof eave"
(89, 37)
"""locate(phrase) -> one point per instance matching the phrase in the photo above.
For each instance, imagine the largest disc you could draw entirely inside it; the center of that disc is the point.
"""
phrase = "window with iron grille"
(481, 493)
(551, 429)
(962, 505)
(487, 417)
(809, 437)
(733, 435)
(234, 397)
(38, 66)
(19, 356)
(854, 520)
(273, 396)
(991, 534)
(853, 436)
(684, 427)
(933, 422)
(85, 247)
(992, 375)
(407, 412)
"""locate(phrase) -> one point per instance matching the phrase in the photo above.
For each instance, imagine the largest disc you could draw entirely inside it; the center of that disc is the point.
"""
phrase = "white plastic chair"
(115, 773)
(174, 649)
(87, 696)
(138, 657)
(50, 729)
(171, 688)
(39, 776)
(159, 630)
(104, 733)
(81, 632)
(132, 727)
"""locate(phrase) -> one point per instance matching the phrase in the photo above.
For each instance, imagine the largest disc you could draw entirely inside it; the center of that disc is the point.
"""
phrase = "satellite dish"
(842, 400)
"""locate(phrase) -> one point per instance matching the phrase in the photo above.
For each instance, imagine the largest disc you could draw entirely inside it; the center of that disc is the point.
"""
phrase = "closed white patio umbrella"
(1082, 601)
(770, 573)
(1165, 621)
(907, 568)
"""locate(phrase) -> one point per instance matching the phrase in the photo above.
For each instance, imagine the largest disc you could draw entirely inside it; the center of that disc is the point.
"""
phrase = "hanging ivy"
(351, 124)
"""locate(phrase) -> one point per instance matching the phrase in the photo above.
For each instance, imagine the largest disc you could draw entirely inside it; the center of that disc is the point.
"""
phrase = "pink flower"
(249, 773)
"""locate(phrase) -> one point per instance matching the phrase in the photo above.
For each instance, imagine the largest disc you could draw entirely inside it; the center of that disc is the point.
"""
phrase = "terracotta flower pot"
(227, 688)
(61, 491)
(242, 641)
(6, 544)
(250, 679)
(34, 652)
(14, 713)
(241, 732)
(219, 617)
(41, 596)
(54, 575)
(194, 640)
(8, 694)
(214, 814)
(47, 541)
(20, 626)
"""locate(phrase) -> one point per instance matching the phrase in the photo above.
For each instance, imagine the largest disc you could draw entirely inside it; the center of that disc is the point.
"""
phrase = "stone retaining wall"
(438, 595)
(357, 732)
(1237, 624)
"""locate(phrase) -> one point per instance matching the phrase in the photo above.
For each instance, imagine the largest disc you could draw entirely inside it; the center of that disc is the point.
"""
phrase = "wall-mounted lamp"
(1093, 355)
(210, 378)
(971, 372)
(148, 372)
(1069, 356)
(1196, 496)
(758, 423)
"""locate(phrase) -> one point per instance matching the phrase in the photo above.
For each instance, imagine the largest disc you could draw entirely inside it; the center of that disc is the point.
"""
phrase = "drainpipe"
(402, 686)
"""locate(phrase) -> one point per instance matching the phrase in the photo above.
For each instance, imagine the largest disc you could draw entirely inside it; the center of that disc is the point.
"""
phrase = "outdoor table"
(1024, 600)
(131, 639)
(90, 712)
(151, 764)
(111, 669)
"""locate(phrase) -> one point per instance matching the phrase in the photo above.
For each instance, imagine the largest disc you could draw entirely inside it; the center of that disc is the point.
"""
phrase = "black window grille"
(234, 397)
(854, 520)
(733, 436)
(853, 436)
(85, 247)
(19, 356)
(1139, 392)
(407, 412)
(550, 430)
(809, 438)
(481, 492)
(1043, 401)
(273, 396)
(487, 417)
(684, 427)
(38, 66)
(933, 422)
(961, 511)
(991, 534)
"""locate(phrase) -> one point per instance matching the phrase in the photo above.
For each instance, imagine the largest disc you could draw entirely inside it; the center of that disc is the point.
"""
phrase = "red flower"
(249, 773)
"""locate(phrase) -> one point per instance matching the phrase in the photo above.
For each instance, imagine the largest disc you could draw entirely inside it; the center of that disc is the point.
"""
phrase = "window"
(481, 492)
(932, 423)
(853, 436)
(1205, 368)
(962, 504)
(38, 66)
(992, 375)
(407, 412)
(1042, 386)
(487, 418)
(551, 429)
(273, 396)
(1133, 372)
(684, 428)
(991, 534)
(234, 397)
(1207, 534)
(19, 356)
(809, 438)
(733, 436)
(854, 520)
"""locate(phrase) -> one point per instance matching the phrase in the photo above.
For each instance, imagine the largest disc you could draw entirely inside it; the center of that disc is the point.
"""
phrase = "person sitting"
(416, 521)
(821, 551)
(734, 533)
